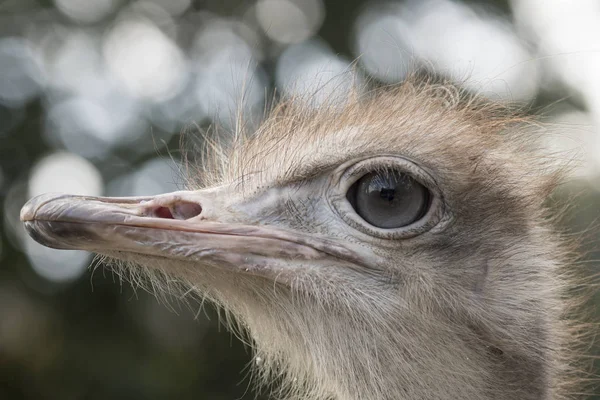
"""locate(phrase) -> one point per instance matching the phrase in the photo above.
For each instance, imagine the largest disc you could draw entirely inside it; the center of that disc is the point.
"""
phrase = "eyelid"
(383, 163)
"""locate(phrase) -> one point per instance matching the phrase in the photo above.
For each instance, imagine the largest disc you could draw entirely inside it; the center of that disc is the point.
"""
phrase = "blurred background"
(95, 94)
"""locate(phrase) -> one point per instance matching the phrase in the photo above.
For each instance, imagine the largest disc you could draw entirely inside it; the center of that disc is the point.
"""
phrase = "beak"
(187, 225)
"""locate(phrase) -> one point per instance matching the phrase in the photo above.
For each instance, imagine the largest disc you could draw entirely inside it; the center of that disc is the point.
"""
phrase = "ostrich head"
(394, 247)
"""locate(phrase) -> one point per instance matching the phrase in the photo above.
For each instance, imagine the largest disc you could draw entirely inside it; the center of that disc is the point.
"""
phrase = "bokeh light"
(173, 7)
(75, 65)
(569, 49)
(310, 70)
(290, 21)
(66, 173)
(144, 60)
(86, 11)
(21, 75)
(384, 46)
(107, 122)
(570, 135)
(227, 74)
(474, 48)
(56, 265)
(158, 175)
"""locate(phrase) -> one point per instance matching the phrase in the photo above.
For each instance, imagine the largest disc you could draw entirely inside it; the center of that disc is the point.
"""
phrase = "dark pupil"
(389, 199)
(388, 194)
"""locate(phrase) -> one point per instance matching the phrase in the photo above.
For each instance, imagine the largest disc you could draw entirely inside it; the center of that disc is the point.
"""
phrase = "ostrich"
(392, 247)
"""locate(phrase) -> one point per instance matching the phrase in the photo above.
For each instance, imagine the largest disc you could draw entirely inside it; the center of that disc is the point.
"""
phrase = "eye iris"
(389, 199)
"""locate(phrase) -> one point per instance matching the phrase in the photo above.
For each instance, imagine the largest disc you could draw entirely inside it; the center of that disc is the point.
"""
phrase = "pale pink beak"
(180, 225)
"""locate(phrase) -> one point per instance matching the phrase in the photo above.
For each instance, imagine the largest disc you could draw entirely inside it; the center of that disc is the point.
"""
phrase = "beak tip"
(29, 210)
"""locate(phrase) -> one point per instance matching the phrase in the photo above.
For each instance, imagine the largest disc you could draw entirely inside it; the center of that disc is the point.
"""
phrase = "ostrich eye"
(389, 199)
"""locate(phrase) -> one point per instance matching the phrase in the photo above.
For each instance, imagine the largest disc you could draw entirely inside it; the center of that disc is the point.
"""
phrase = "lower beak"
(167, 226)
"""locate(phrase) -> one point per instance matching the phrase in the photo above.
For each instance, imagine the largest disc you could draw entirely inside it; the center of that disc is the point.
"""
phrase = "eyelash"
(379, 165)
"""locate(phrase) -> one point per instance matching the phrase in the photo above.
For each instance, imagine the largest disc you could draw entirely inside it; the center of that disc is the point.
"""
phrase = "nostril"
(163, 212)
(179, 210)
(185, 210)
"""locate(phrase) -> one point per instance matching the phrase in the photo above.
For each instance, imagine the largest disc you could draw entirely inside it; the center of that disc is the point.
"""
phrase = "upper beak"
(191, 226)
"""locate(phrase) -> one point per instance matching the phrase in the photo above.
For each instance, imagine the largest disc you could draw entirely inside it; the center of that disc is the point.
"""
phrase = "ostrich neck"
(424, 357)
